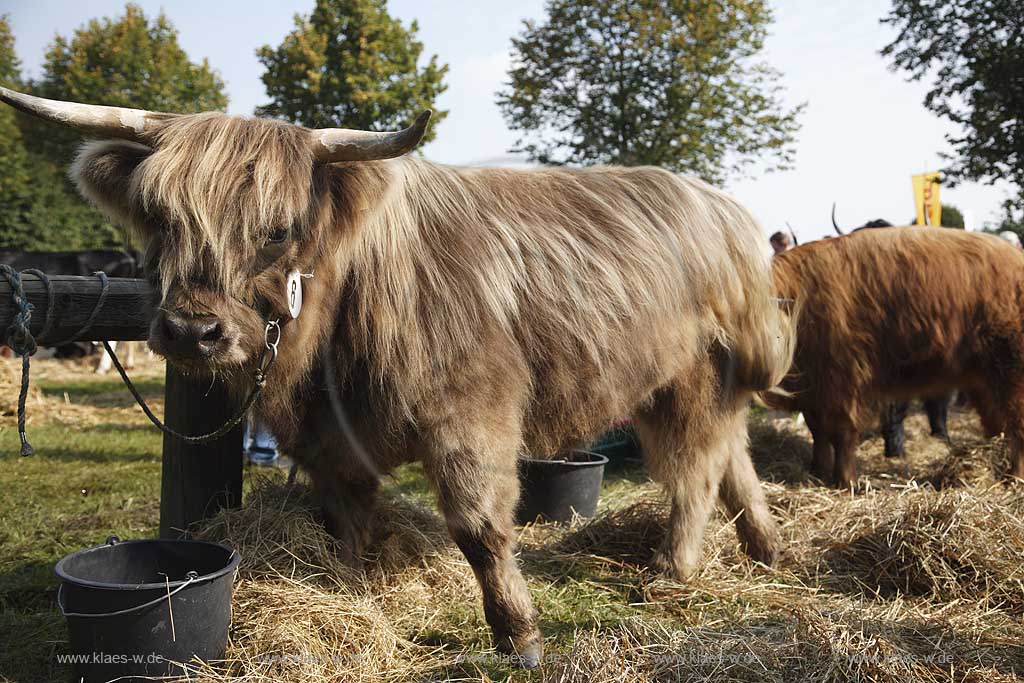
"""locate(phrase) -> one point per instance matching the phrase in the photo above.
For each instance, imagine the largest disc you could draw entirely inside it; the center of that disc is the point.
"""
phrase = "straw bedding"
(908, 578)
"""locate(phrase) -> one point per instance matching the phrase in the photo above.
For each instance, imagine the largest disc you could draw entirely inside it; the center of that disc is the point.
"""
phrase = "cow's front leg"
(478, 498)
(822, 459)
(348, 505)
(937, 409)
(844, 443)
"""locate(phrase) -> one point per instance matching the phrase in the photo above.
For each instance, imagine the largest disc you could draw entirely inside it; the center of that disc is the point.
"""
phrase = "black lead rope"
(20, 339)
(259, 380)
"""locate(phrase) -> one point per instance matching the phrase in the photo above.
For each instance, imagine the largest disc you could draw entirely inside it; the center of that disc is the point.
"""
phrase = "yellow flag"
(926, 199)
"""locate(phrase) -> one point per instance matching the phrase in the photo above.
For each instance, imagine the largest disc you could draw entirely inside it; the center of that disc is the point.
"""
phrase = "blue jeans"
(259, 444)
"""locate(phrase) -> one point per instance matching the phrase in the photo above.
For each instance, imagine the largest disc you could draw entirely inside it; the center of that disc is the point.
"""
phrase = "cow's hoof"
(764, 548)
(526, 652)
(663, 563)
(822, 473)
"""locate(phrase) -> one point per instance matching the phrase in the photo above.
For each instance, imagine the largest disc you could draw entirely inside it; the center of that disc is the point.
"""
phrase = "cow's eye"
(278, 236)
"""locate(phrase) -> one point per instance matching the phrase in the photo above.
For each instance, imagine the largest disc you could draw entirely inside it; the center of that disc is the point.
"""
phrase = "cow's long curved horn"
(792, 233)
(834, 224)
(344, 144)
(93, 119)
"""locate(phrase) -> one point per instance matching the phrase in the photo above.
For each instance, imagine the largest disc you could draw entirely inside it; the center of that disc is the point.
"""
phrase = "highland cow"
(891, 313)
(894, 413)
(456, 316)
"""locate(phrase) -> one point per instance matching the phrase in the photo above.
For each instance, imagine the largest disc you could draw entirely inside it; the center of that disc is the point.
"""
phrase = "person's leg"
(894, 435)
(937, 408)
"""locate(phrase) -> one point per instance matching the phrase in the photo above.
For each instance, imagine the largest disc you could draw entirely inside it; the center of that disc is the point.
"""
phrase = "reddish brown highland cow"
(893, 313)
(457, 316)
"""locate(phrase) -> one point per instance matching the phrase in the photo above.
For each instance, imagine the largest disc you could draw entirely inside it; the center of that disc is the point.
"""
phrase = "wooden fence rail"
(196, 481)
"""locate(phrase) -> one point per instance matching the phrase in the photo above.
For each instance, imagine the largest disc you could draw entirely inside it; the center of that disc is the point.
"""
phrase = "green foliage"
(129, 61)
(673, 84)
(16, 180)
(1012, 218)
(973, 51)
(12, 151)
(350, 64)
(951, 217)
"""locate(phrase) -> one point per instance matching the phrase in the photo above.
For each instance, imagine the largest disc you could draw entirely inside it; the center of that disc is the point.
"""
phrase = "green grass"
(102, 392)
(85, 483)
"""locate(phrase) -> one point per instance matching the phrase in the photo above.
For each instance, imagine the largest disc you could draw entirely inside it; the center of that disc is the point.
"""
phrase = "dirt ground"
(917, 575)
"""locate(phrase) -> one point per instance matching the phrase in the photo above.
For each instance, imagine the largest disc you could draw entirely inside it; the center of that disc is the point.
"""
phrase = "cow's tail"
(762, 349)
(759, 328)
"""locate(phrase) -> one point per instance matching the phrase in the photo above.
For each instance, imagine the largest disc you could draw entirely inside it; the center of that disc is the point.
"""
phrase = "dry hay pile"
(301, 614)
(899, 583)
(115, 406)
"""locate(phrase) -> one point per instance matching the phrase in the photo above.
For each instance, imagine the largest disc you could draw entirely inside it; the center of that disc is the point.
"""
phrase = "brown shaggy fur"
(463, 317)
(894, 313)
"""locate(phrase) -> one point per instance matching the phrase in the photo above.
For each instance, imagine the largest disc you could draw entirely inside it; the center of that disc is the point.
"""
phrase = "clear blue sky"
(864, 131)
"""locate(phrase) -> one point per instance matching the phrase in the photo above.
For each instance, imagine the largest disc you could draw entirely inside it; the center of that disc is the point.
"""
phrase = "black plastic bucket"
(142, 608)
(555, 490)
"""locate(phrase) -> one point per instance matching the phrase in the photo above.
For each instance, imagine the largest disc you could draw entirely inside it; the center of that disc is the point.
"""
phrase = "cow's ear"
(103, 173)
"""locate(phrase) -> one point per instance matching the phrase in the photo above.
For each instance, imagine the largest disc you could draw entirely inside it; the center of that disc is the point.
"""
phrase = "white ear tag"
(294, 289)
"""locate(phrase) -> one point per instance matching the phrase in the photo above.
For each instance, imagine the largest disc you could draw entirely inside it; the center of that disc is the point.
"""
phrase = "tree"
(973, 51)
(1012, 218)
(129, 61)
(951, 217)
(675, 84)
(14, 178)
(351, 65)
(26, 186)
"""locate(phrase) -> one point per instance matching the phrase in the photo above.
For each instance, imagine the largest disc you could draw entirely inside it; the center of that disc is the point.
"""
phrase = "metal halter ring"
(272, 326)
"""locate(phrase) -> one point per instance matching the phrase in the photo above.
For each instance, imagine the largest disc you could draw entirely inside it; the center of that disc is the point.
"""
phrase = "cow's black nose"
(190, 336)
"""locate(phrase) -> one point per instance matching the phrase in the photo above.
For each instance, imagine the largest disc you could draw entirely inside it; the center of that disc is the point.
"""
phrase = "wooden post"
(197, 481)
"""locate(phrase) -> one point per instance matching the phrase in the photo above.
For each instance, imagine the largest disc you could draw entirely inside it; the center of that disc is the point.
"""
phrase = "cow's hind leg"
(687, 446)
(743, 497)
(937, 409)
(129, 360)
(104, 364)
(478, 498)
(1014, 424)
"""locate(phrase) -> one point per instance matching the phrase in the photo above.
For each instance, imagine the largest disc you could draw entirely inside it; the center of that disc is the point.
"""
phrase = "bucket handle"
(192, 576)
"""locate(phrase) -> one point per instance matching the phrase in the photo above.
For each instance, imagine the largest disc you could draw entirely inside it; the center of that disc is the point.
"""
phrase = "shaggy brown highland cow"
(457, 316)
(893, 313)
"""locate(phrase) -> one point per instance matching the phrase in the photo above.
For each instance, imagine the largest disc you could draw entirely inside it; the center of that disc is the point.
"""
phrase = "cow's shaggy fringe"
(889, 586)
